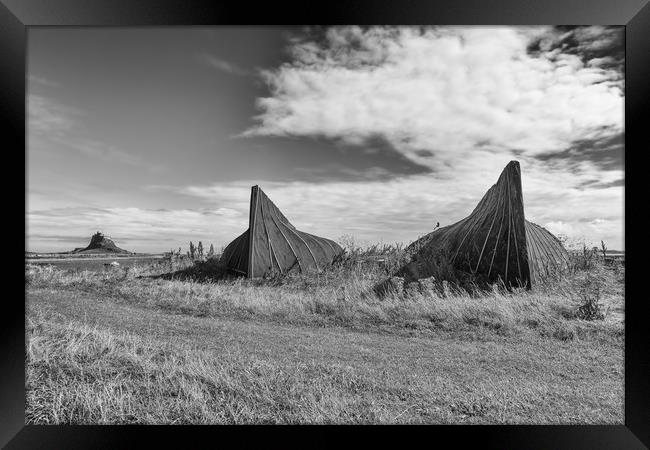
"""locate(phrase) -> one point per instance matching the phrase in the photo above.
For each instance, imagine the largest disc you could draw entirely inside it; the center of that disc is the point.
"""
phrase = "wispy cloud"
(389, 210)
(62, 124)
(223, 65)
(47, 118)
(401, 209)
(42, 81)
(106, 152)
(325, 173)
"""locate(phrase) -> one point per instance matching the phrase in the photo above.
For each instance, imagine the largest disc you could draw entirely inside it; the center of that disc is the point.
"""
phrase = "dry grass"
(194, 370)
(320, 348)
(331, 298)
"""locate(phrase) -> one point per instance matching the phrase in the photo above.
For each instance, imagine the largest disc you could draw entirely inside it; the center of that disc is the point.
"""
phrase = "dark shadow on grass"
(202, 271)
(212, 270)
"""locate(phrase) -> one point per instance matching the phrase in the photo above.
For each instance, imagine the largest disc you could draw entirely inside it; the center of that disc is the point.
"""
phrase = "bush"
(590, 310)
(589, 286)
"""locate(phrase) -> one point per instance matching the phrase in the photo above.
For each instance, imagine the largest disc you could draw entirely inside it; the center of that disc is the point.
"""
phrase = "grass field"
(94, 263)
(164, 344)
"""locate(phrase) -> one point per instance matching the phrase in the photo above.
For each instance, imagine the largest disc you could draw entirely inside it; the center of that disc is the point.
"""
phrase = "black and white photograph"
(418, 224)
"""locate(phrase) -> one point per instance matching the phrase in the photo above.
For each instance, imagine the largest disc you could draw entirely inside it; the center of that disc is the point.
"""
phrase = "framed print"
(373, 214)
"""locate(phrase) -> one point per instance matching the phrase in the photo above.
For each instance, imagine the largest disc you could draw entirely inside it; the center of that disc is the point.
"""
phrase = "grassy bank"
(323, 300)
(91, 360)
(164, 344)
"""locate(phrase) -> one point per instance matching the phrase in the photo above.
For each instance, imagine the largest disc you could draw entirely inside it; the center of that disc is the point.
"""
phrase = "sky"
(154, 136)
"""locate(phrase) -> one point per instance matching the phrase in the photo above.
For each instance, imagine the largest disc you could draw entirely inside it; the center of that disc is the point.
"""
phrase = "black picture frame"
(17, 16)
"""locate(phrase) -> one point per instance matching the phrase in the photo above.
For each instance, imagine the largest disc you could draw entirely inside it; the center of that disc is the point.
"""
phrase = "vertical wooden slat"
(251, 231)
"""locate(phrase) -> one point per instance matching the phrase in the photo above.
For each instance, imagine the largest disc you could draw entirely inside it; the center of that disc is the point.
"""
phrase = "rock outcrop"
(100, 244)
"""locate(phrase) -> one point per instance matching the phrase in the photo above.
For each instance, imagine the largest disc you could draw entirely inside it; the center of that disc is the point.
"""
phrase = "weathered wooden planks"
(272, 244)
(495, 240)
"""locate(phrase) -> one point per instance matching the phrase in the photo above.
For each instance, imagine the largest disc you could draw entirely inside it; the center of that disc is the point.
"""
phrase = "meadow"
(177, 342)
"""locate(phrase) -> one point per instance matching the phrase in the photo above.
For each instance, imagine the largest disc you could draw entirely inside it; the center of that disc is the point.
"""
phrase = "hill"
(100, 244)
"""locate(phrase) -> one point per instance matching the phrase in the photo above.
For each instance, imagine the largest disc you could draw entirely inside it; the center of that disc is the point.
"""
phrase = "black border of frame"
(17, 15)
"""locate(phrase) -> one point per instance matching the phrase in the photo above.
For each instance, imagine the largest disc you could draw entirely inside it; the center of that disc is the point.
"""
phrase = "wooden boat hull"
(271, 244)
(495, 241)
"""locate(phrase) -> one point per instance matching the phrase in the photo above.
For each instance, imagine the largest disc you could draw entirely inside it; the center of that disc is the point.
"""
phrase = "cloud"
(604, 152)
(389, 210)
(42, 81)
(402, 209)
(45, 117)
(325, 173)
(442, 90)
(463, 102)
(107, 152)
(223, 65)
(596, 46)
(62, 124)
(586, 233)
